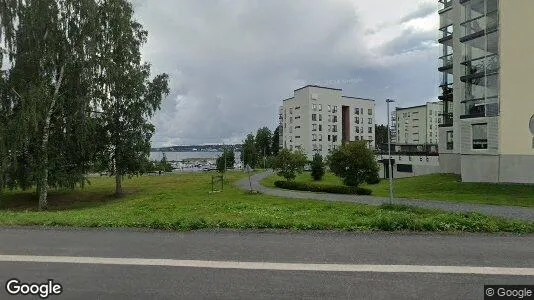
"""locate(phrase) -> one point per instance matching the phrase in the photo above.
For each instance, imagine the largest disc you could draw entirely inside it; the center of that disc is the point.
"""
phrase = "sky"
(232, 62)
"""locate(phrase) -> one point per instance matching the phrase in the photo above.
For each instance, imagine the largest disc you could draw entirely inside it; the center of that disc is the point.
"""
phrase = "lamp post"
(390, 165)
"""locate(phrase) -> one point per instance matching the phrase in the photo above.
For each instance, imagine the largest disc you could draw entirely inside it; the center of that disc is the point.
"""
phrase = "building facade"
(418, 125)
(486, 65)
(317, 119)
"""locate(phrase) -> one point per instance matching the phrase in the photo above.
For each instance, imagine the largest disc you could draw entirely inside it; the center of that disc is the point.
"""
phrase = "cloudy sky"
(231, 62)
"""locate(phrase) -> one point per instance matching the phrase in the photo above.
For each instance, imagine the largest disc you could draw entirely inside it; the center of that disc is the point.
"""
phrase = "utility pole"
(390, 165)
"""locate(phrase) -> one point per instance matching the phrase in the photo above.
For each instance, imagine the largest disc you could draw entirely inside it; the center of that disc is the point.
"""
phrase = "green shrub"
(373, 178)
(317, 167)
(333, 189)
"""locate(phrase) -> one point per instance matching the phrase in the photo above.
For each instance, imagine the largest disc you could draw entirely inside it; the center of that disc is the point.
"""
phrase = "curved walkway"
(513, 212)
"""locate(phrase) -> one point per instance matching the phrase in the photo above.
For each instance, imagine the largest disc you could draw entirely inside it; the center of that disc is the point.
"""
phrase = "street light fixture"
(390, 165)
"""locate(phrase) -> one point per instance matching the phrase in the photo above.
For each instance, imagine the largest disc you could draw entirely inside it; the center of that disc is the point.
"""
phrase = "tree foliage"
(381, 133)
(275, 146)
(75, 96)
(288, 163)
(263, 142)
(249, 155)
(317, 167)
(227, 156)
(354, 162)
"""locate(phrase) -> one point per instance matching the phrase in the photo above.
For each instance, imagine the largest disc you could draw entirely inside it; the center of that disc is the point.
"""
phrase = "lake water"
(177, 156)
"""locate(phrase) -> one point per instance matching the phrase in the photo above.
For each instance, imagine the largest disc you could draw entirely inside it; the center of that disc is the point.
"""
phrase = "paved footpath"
(513, 212)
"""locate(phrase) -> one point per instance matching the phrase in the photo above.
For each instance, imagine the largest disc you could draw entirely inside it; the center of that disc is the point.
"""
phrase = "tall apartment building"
(317, 119)
(486, 68)
(418, 125)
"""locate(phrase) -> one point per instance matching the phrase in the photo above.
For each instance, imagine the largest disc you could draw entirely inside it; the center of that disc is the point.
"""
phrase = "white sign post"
(248, 169)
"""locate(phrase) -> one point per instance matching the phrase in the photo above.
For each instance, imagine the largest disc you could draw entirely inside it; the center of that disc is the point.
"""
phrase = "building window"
(334, 138)
(320, 147)
(290, 111)
(329, 108)
(320, 118)
(335, 109)
(480, 136)
(357, 120)
(314, 147)
(329, 128)
(320, 127)
(357, 138)
(357, 129)
(320, 137)
(329, 138)
(297, 127)
(298, 107)
(370, 130)
(290, 129)
(329, 118)
(297, 136)
(334, 128)
(314, 137)
(320, 107)
(334, 119)
(370, 121)
(314, 106)
(357, 110)
(290, 119)
(314, 117)
(370, 111)
(314, 127)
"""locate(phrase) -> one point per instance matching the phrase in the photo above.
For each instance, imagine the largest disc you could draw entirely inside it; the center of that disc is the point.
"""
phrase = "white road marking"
(271, 266)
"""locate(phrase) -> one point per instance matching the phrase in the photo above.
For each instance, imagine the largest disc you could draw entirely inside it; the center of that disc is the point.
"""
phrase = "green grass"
(445, 187)
(183, 202)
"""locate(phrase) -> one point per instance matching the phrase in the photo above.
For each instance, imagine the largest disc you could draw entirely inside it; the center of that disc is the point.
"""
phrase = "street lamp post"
(390, 165)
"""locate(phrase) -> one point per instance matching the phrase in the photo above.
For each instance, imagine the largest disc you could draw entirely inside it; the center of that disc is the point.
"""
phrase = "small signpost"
(215, 179)
(248, 169)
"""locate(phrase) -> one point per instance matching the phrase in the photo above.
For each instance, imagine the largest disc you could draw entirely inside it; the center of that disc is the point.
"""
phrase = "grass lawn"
(445, 187)
(183, 202)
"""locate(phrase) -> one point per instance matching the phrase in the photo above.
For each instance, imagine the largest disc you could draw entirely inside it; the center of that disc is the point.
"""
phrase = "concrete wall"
(421, 165)
(480, 168)
(516, 98)
(450, 163)
(516, 168)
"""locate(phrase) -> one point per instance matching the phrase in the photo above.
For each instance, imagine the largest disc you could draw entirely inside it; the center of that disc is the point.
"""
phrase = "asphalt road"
(257, 261)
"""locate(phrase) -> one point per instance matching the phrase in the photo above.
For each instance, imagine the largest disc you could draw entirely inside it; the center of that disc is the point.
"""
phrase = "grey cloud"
(425, 9)
(232, 62)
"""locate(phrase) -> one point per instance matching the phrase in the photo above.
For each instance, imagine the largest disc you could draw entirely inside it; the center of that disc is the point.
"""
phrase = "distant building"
(486, 68)
(317, 119)
(418, 125)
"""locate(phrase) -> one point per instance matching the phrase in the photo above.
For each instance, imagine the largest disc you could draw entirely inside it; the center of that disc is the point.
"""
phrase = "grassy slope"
(183, 202)
(440, 187)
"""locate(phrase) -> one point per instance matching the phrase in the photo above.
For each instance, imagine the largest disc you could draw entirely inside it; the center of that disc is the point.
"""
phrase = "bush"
(354, 162)
(317, 167)
(321, 188)
(373, 179)
(288, 163)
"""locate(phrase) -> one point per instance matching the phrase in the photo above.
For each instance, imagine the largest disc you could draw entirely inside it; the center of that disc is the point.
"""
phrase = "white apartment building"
(486, 65)
(418, 125)
(317, 119)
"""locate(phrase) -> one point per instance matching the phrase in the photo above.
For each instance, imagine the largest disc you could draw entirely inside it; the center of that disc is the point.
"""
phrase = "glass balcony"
(444, 4)
(446, 34)
(481, 24)
(446, 62)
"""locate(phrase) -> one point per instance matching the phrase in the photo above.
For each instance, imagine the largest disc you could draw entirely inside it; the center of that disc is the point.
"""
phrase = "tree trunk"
(118, 184)
(43, 182)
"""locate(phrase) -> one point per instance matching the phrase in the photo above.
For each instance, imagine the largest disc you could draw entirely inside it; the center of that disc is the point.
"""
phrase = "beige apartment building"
(487, 66)
(418, 125)
(317, 119)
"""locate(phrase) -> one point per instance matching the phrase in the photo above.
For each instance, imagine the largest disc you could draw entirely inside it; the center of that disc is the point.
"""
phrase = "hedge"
(322, 188)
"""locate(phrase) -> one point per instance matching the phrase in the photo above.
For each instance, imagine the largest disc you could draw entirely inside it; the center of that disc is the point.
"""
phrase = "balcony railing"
(445, 4)
(446, 61)
(483, 23)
